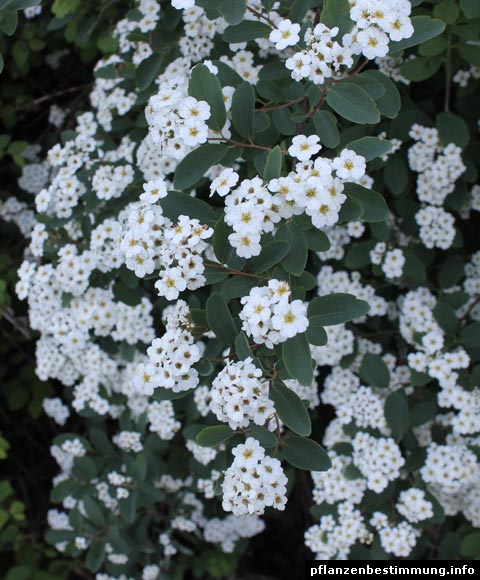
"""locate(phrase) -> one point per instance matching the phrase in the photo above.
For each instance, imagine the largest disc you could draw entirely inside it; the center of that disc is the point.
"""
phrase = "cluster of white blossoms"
(55, 409)
(392, 261)
(332, 486)
(378, 459)
(151, 242)
(171, 357)
(230, 530)
(439, 165)
(399, 539)
(34, 176)
(253, 481)
(430, 357)
(128, 441)
(161, 418)
(376, 23)
(269, 317)
(333, 537)
(413, 505)
(322, 58)
(437, 227)
(239, 395)
(15, 211)
(314, 188)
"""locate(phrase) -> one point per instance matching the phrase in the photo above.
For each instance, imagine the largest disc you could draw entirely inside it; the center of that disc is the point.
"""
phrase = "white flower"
(223, 184)
(303, 147)
(286, 34)
(349, 165)
(154, 190)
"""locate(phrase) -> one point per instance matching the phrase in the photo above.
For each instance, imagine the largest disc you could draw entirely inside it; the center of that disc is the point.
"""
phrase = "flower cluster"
(238, 395)
(254, 481)
(171, 357)
(269, 317)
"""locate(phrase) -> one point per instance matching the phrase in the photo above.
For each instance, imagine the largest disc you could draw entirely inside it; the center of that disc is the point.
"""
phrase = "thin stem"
(240, 144)
(261, 16)
(45, 98)
(236, 272)
(275, 108)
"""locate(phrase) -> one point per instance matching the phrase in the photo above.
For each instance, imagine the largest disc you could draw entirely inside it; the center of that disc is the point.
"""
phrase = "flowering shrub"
(256, 254)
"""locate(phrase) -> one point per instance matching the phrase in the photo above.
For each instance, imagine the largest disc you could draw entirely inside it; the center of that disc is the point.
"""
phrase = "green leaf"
(395, 174)
(471, 53)
(205, 86)
(215, 435)
(169, 395)
(245, 31)
(470, 546)
(273, 165)
(452, 129)
(177, 203)
(336, 309)
(63, 7)
(423, 413)
(445, 315)
(317, 335)
(389, 103)
(64, 489)
(233, 10)
(272, 253)
(353, 103)
(297, 359)
(448, 11)
(326, 128)
(194, 166)
(220, 320)
(22, 572)
(127, 295)
(374, 372)
(420, 68)
(148, 70)
(397, 414)
(242, 347)
(238, 286)
(471, 8)
(139, 468)
(316, 240)
(470, 335)
(296, 259)
(305, 454)
(243, 110)
(424, 28)
(94, 513)
(128, 507)
(299, 9)
(9, 21)
(95, 556)
(337, 13)
(370, 85)
(372, 203)
(370, 147)
(451, 271)
(86, 466)
(224, 252)
(266, 438)
(290, 409)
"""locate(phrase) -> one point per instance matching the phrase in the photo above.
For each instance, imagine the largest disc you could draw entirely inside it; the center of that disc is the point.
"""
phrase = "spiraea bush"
(256, 254)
